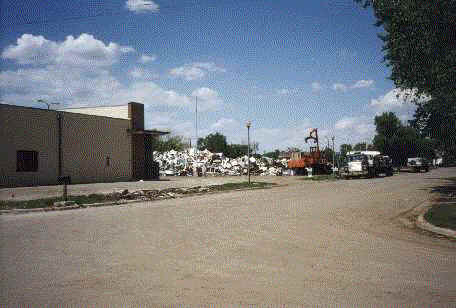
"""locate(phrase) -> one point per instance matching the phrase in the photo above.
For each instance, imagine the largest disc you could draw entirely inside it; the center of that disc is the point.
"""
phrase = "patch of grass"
(48, 202)
(323, 177)
(442, 215)
(232, 186)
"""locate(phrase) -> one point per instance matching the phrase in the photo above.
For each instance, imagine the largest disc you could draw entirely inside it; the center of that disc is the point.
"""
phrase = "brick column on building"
(136, 115)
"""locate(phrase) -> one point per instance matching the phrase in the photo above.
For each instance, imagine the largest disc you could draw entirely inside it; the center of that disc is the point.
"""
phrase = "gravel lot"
(302, 244)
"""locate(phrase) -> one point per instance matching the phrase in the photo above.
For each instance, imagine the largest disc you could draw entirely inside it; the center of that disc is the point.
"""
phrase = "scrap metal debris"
(195, 162)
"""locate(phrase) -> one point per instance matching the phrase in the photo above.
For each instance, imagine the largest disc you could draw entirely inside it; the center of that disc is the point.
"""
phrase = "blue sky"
(288, 66)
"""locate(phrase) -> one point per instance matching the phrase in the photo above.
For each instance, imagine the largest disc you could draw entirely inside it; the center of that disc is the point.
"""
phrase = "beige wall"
(120, 112)
(32, 130)
(88, 140)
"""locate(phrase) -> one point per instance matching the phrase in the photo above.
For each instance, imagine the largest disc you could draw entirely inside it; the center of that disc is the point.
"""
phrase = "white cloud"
(196, 70)
(209, 66)
(142, 6)
(283, 91)
(76, 88)
(339, 87)
(30, 49)
(363, 84)
(358, 84)
(345, 123)
(188, 72)
(316, 86)
(224, 123)
(152, 94)
(354, 129)
(140, 73)
(396, 99)
(80, 84)
(208, 99)
(84, 50)
(146, 59)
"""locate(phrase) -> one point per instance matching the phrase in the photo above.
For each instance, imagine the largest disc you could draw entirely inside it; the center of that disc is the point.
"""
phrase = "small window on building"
(27, 161)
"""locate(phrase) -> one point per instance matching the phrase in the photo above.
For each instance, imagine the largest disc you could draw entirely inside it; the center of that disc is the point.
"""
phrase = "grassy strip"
(97, 198)
(323, 177)
(48, 202)
(232, 186)
(442, 215)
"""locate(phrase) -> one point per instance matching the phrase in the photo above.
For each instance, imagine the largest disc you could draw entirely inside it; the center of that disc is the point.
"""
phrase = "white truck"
(417, 164)
(366, 163)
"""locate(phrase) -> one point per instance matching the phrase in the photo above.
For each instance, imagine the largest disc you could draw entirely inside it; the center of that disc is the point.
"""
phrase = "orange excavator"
(301, 162)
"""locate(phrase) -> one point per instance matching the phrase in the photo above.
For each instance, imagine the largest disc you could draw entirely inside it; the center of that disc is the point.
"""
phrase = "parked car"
(418, 163)
(383, 164)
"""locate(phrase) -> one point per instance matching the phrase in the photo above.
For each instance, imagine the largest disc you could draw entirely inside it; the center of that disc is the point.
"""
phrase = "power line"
(74, 18)
(40, 22)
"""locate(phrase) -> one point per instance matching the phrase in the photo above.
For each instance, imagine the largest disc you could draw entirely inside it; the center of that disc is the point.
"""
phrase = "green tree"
(387, 124)
(215, 143)
(274, 155)
(361, 146)
(168, 143)
(236, 150)
(419, 43)
(436, 120)
(328, 154)
(400, 142)
(420, 47)
(344, 149)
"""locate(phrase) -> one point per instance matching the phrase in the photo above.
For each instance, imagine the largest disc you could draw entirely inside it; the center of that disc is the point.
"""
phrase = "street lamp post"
(47, 104)
(334, 158)
(248, 124)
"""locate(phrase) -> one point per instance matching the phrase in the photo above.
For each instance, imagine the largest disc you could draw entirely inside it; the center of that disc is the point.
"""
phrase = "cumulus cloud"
(76, 88)
(345, 123)
(339, 87)
(77, 72)
(283, 91)
(84, 50)
(396, 99)
(146, 59)
(195, 71)
(140, 73)
(362, 84)
(142, 6)
(208, 99)
(224, 123)
(316, 86)
(354, 129)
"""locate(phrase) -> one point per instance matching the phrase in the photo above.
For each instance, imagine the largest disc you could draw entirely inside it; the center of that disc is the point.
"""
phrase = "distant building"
(285, 155)
(94, 144)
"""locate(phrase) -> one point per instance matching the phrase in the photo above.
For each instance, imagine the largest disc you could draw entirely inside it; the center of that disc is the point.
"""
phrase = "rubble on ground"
(157, 194)
(193, 161)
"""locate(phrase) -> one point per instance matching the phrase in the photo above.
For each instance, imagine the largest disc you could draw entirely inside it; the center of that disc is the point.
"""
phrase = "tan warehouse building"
(97, 144)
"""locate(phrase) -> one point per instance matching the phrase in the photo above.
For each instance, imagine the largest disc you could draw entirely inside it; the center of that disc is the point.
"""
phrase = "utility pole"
(248, 124)
(196, 122)
(47, 104)
(334, 157)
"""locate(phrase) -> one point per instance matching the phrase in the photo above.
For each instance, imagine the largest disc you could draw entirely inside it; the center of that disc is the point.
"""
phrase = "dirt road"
(307, 243)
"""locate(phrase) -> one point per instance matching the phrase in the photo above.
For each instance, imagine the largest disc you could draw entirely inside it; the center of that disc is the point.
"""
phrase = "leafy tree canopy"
(419, 43)
(168, 143)
(215, 143)
(344, 149)
(274, 155)
(400, 142)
